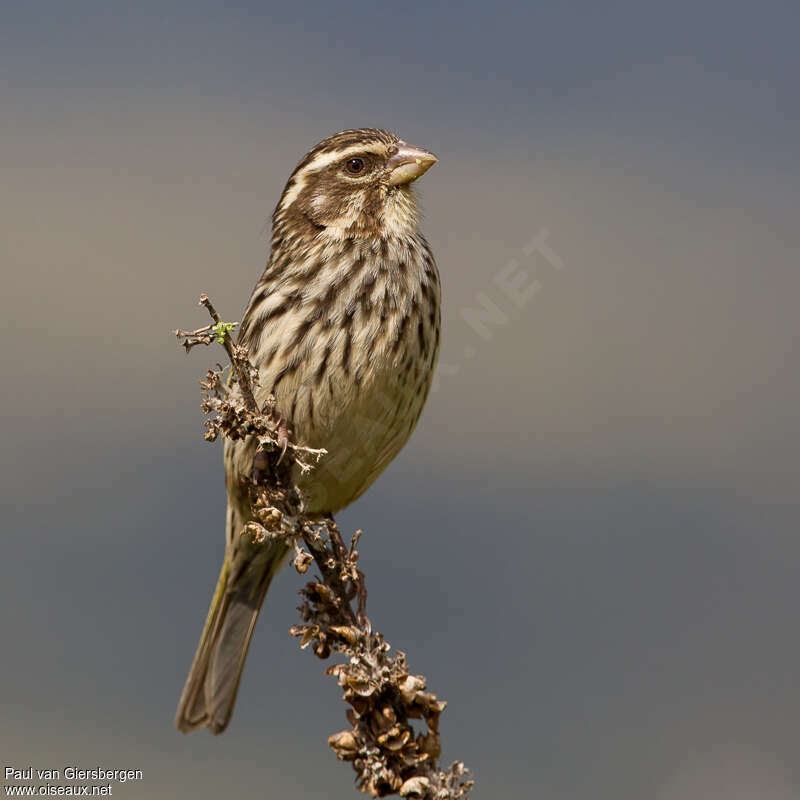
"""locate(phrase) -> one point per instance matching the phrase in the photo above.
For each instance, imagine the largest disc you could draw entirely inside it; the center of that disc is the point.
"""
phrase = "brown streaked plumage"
(343, 326)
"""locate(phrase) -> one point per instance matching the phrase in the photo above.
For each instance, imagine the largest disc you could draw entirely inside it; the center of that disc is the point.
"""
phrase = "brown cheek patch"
(339, 200)
(329, 199)
(300, 223)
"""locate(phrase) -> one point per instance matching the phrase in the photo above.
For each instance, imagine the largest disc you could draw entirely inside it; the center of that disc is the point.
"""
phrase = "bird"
(343, 327)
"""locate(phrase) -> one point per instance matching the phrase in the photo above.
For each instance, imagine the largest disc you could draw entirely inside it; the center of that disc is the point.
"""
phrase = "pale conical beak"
(408, 163)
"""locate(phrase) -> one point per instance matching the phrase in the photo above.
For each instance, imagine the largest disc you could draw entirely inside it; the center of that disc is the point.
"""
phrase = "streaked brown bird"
(343, 327)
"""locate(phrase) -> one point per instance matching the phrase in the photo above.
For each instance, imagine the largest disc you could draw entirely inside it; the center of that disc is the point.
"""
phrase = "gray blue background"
(590, 545)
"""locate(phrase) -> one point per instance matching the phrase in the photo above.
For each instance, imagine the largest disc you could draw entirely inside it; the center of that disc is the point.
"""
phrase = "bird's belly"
(362, 426)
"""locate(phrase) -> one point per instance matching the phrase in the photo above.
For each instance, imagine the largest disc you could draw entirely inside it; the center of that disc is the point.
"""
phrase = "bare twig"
(242, 368)
(386, 752)
(191, 339)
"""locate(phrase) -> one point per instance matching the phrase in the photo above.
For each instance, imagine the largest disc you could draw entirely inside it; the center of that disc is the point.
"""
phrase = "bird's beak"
(408, 163)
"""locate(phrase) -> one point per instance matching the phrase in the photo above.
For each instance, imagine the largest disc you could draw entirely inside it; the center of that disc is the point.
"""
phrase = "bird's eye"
(355, 166)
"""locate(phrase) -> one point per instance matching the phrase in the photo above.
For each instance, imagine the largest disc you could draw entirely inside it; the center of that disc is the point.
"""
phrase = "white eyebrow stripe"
(326, 159)
(320, 161)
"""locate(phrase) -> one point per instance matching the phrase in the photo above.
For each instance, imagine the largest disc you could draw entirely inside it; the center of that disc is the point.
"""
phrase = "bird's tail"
(210, 691)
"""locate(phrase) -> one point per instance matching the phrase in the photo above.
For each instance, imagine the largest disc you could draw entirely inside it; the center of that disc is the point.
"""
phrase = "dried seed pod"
(361, 705)
(410, 685)
(383, 719)
(256, 531)
(347, 633)
(270, 516)
(431, 708)
(418, 786)
(429, 744)
(322, 648)
(395, 738)
(344, 744)
(411, 756)
(336, 669)
(310, 632)
(385, 782)
(428, 700)
(319, 593)
(361, 686)
(432, 718)
(302, 560)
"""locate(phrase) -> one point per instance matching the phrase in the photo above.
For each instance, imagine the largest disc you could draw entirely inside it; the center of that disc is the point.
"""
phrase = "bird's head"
(356, 182)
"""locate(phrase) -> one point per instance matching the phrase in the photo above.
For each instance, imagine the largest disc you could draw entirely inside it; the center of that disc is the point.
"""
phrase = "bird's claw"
(282, 431)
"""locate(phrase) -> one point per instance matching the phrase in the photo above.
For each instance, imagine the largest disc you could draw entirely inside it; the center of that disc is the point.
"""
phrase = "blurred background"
(590, 545)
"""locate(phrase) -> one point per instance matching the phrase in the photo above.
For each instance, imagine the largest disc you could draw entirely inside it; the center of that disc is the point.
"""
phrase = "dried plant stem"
(388, 755)
(238, 357)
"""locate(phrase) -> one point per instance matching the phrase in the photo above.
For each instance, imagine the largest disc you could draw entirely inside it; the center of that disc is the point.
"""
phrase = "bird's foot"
(282, 431)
